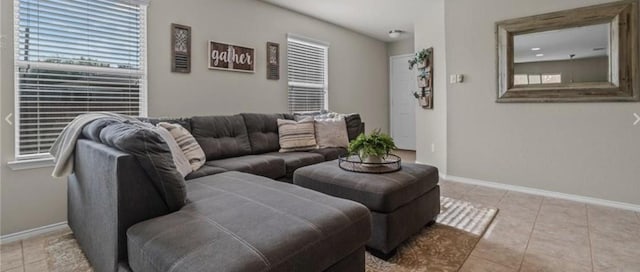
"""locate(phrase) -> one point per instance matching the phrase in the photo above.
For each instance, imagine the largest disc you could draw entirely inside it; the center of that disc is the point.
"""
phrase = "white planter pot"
(371, 161)
(422, 82)
(422, 64)
(423, 101)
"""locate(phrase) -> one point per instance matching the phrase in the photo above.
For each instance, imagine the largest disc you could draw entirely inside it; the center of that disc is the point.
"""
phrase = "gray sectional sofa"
(237, 217)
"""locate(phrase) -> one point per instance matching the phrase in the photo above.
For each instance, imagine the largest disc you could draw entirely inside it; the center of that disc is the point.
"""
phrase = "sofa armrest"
(108, 192)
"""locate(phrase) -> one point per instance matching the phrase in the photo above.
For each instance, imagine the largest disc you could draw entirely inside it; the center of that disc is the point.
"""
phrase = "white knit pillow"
(331, 133)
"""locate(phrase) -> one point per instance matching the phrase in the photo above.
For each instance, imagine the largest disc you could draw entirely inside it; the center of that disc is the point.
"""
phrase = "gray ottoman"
(401, 203)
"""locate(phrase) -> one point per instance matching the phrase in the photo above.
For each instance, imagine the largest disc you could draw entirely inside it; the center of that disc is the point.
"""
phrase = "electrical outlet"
(433, 148)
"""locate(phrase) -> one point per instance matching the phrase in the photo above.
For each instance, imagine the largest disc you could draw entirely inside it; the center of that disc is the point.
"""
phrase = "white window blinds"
(74, 57)
(307, 74)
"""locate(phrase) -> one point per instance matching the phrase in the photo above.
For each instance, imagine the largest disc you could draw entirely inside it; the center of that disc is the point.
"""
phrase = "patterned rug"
(443, 246)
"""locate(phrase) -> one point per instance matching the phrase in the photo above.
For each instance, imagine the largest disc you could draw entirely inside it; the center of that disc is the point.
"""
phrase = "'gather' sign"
(228, 57)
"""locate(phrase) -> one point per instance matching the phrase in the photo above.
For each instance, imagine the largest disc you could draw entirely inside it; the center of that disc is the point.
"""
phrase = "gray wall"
(358, 80)
(401, 47)
(588, 149)
(580, 70)
(431, 125)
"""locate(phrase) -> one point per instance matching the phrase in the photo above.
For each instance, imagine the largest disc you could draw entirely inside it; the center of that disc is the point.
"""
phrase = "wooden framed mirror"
(582, 55)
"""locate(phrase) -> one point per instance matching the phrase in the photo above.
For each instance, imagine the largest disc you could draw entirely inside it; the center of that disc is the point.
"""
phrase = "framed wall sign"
(229, 57)
(180, 48)
(273, 61)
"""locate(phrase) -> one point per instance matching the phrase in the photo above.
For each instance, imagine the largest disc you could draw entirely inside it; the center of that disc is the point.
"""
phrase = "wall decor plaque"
(273, 61)
(180, 48)
(229, 57)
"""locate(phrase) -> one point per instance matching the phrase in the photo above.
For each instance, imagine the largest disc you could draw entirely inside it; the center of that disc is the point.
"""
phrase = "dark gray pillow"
(154, 156)
(354, 125)
(92, 130)
(184, 122)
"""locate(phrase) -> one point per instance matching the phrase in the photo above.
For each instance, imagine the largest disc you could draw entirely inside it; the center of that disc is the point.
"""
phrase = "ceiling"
(560, 44)
(373, 18)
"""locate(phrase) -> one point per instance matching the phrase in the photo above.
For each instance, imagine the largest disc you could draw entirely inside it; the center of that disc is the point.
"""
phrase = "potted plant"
(420, 59)
(422, 79)
(423, 97)
(372, 148)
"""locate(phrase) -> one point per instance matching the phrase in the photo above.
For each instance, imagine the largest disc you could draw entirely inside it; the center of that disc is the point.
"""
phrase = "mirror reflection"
(571, 55)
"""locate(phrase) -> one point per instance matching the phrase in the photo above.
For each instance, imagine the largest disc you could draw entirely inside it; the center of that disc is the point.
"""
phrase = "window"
(521, 80)
(551, 79)
(307, 74)
(534, 79)
(524, 79)
(74, 57)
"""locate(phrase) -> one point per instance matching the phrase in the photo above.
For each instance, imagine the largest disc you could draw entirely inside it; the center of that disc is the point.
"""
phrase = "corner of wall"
(431, 125)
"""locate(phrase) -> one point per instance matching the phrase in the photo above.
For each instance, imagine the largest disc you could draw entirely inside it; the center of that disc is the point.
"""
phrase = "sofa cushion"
(379, 192)
(331, 133)
(295, 160)
(221, 136)
(179, 159)
(242, 222)
(205, 170)
(263, 131)
(266, 166)
(154, 156)
(304, 114)
(184, 122)
(355, 127)
(331, 153)
(187, 143)
(296, 135)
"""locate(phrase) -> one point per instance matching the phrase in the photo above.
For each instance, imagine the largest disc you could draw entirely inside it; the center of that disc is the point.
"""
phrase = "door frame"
(391, 58)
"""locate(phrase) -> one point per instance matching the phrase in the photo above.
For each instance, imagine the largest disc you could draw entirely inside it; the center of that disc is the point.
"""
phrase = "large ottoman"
(401, 203)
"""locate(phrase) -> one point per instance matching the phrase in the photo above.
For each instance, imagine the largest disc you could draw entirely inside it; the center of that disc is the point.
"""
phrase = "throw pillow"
(187, 143)
(331, 133)
(296, 136)
(182, 163)
(154, 156)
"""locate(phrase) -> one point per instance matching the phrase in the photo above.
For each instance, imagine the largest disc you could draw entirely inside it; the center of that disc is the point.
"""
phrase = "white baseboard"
(534, 191)
(32, 232)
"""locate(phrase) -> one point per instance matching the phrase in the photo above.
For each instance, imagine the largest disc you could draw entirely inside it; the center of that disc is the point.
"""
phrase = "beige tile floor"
(530, 233)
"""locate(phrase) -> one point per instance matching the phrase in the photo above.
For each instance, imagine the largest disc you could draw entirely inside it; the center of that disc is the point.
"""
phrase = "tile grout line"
(485, 233)
(486, 260)
(526, 248)
(22, 251)
(593, 265)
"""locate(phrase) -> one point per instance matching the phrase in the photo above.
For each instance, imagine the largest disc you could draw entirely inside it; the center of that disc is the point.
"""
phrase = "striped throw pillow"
(179, 159)
(187, 143)
(296, 136)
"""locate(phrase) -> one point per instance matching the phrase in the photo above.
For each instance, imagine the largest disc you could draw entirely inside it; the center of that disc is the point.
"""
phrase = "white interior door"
(402, 109)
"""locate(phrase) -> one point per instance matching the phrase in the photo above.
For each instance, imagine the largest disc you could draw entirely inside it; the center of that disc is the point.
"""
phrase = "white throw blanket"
(64, 146)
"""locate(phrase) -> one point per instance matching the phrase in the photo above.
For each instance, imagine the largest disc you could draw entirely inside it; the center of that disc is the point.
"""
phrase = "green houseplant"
(373, 147)
(420, 59)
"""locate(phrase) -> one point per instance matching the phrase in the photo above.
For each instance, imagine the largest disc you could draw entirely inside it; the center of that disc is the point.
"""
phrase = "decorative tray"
(390, 163)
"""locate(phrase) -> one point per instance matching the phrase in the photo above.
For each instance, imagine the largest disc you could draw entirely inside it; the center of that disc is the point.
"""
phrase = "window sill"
(31, 164)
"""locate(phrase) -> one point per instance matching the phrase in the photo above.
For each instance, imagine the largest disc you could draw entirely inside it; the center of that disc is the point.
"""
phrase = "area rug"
(443, 246)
